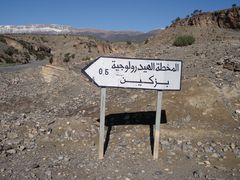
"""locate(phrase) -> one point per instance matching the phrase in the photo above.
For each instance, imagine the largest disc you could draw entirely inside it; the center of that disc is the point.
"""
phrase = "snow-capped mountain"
(62, 29)
(37, 28)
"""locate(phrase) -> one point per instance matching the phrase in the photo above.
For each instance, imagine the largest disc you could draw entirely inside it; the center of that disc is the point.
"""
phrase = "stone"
(207, 162)
(21, 148)
(34, 166)
(197, 174)
(158, 173)
(225, 149)
(18, 123)
(187, 119)
(202, 56)
(232, 145)
(24, 116)
(48, 174)
(237, 111)
(66, 159)
(83, 121)
(11, 151)
(220, 168)
(12, 135)
(60, 158)
(208, 149)
(215, 155)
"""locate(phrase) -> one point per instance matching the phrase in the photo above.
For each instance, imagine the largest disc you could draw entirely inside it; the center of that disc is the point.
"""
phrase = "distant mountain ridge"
(134, 36)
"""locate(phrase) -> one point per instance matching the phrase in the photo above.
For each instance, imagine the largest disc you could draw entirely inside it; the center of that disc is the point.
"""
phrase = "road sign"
(156, 74)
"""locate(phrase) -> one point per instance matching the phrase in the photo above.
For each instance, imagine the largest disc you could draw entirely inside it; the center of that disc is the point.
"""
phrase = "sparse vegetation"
(11, 50)
(129, 42)
(27, 56)
(68, 57)
(146, 41)
(184, 40)
(196, 12)
(43, 39)
(40, 56)
(3, 40)
(176, 20)
(87, 58)
(9, 60)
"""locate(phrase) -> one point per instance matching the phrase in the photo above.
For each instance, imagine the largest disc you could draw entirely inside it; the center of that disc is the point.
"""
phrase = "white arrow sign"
(157, 74)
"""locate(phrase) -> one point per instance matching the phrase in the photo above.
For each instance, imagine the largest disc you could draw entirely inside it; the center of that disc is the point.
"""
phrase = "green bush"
(87, 58)
(184, 40)
(3, 40)
(11, 50)
(9, 60)
(129, 42)
(66, 57)
(146, 41)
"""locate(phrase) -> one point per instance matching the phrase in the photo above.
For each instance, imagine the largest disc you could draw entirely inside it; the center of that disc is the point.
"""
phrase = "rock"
(18, 123)
(21, 148)
(51, 122)
(60, 158)
(215, 155)
(220, 168)
(48, 174)
(187, 119)
(237, 111)
(232, 64)
(179, 142)
(225, 149)
(34, 166)
(197, 174)
(133, 97)
(158, 173)
(43, 130)
(49, 130)
(208, 149)
(83, 121)
(24, 116)
(232, 145)
(12, 135)
(165, 144)
(202, 56)
(199, 143)
(207, 162)
(220, 62)
(11, 151)
(128, 135)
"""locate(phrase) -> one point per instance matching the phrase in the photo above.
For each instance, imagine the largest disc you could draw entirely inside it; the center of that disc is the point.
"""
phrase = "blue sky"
(139, 15)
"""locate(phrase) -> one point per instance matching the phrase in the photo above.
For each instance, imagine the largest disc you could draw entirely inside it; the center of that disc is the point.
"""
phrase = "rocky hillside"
(228, 18)
(64, 50)
(21, 51)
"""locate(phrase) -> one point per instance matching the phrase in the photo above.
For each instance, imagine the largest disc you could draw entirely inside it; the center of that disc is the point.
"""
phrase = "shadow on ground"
(133, 118)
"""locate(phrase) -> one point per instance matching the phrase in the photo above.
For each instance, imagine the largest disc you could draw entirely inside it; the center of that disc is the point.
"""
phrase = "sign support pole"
(102, 123)
(157, 125)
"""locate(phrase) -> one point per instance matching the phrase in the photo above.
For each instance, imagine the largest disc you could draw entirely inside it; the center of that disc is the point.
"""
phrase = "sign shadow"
(133, 118)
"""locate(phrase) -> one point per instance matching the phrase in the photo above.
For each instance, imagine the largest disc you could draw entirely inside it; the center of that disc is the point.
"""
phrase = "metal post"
(102, 123)
(157, 125)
